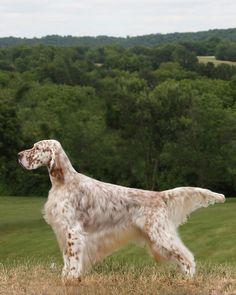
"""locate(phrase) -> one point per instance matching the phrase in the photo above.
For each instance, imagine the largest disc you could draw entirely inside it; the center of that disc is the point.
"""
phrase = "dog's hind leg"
(173, 250)
(165, 244)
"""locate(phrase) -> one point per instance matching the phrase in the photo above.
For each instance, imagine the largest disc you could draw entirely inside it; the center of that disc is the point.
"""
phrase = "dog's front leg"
(73, 256)
(66, 267)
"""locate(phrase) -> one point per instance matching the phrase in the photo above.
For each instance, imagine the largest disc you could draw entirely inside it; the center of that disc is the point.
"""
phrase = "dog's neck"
(62, 171)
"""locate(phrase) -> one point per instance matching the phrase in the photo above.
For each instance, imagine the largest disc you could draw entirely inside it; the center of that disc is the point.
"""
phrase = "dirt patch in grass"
(43, 280)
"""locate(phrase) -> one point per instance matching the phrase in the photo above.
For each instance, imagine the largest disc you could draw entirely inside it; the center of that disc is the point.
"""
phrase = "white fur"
(92, 219)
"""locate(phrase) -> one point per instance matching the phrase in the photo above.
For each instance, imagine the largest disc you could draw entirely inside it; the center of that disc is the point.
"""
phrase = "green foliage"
(199, 152)
(10, 140)
(226, 51)
(143, 117)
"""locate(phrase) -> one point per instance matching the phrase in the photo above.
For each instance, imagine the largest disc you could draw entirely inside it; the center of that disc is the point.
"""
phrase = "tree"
(226, 51)
(187, 59)
(199, 151)
(10, 143)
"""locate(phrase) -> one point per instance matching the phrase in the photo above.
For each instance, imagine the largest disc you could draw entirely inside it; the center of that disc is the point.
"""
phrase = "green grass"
(24, 233)
(212, 59)
(210, 234)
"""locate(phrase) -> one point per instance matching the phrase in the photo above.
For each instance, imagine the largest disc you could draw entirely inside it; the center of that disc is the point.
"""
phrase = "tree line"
(149, 40)
(144, 117)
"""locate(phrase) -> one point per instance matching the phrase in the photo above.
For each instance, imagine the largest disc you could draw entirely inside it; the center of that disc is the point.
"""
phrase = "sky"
(33, 18)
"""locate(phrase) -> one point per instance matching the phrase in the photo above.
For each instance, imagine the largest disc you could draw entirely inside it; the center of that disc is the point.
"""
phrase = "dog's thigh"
(165, 243)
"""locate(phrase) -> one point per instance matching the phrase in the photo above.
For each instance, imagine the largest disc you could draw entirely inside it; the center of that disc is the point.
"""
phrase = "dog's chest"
(53, 215)
(51, 212)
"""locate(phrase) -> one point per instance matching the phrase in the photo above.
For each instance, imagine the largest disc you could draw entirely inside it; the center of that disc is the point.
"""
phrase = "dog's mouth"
(19, 161)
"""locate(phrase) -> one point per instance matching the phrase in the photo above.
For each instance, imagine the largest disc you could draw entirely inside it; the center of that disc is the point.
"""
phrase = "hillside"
(145, 40)
(184, 110)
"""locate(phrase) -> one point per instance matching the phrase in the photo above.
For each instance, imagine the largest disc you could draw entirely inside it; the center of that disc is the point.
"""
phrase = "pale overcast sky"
(32, 18)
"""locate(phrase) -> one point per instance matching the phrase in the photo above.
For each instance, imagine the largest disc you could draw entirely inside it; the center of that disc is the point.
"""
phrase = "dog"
(92, 219)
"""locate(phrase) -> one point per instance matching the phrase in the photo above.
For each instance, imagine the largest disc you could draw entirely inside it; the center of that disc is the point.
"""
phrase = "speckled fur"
(92, 219)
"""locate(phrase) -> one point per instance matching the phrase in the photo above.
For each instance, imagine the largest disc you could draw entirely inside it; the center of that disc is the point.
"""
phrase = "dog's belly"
(107, 241)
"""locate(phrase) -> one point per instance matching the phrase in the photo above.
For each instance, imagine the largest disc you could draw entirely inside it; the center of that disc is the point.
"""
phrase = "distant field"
(206, 59)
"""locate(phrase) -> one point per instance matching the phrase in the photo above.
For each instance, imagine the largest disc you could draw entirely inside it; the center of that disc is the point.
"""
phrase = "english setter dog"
(92, 219)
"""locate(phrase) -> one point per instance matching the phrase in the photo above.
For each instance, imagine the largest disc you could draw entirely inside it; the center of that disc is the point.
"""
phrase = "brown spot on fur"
(56, 170)
(157, 257)
(29, 158)
(70, 253)
(46, 149)
(57, 173)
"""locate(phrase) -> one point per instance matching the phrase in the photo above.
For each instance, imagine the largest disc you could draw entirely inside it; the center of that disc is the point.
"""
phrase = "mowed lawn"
(210, 233)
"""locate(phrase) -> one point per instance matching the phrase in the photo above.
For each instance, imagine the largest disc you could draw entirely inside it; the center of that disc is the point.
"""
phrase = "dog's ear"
(55, 167)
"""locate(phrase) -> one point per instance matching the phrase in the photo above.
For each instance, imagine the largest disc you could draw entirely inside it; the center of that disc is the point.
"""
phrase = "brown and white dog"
(92, 219)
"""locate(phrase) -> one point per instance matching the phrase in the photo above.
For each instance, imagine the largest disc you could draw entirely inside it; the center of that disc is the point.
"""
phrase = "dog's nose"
(20, 155)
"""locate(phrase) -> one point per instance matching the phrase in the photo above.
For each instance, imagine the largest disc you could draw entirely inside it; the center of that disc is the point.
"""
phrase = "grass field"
(206, 59)
(30, 261)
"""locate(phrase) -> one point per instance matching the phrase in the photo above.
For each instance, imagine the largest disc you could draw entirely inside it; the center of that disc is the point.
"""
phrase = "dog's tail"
(182, 201)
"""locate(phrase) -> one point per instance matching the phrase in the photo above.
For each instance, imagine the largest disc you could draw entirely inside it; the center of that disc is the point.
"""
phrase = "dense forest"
(147, 117)
(145, 40)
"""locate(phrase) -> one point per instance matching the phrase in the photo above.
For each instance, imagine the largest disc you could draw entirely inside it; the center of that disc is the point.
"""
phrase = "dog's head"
(43, 153)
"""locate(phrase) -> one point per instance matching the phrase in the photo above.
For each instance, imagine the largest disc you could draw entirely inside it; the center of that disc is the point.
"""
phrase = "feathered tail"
(182, 201)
